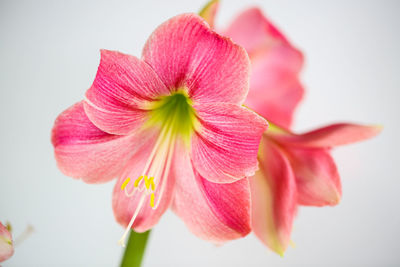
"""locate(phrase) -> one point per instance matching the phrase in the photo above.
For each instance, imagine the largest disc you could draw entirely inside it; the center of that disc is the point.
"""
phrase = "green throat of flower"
(175, 114)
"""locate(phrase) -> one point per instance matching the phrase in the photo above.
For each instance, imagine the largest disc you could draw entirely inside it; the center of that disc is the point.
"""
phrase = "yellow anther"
(137, 181)
(153, 186)
(148, 182)
(152, 200)
(125, 183)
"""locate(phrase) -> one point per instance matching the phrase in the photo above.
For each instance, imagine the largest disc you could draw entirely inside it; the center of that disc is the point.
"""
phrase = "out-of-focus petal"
(331, 136)
(185, 52)
(124, 206)
(214, 212)
(317, 178)
(6, 243)
(123, 84)
(274, 198)
(252, 30)
(209, 12)
(84, 151)
(225, 147)
(275, 89)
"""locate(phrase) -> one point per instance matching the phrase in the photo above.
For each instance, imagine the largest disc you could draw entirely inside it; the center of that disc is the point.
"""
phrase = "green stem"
(135, 249)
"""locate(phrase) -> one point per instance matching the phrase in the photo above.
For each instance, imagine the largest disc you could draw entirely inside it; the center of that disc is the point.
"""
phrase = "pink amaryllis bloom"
(6, 243)
(171, 126)
(294, 169)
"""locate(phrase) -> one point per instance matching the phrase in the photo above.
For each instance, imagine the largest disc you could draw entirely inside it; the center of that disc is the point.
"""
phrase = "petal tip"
(378, 128)
(279, 249)
(336, 199)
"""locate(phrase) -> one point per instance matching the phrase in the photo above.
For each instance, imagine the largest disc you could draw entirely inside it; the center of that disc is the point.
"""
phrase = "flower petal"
(185, 52)
(225, 147)
(124, 206)
(252, 30)
(6, 243)
(331, 136)
(214, 212)
(84, 151)
(274, 199)
(123, 84)
(275, 89)
(317, 178)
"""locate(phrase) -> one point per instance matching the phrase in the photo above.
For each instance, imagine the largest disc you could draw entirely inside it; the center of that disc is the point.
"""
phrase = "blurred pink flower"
(294, 169)
(173, 122)
(6, 243)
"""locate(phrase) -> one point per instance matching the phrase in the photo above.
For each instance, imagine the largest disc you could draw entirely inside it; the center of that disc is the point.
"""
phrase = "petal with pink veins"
(274, 199)
(84, 151)
(331, 136)
(225, 147)
(116, 102)
(317, 178)
(214, 212)
(185, 52)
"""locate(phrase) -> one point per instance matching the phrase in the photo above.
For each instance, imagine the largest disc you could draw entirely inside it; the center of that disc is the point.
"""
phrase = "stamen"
(156, 171)
(166, 174)
(148, 181)
(122, 240)
(137, 181)
(125, 183)
(152, 200)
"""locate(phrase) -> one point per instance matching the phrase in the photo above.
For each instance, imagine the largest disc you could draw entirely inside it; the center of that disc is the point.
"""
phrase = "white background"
(49, 53)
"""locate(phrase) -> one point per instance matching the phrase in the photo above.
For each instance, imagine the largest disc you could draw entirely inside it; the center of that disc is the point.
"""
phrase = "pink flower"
(294, 169)
(6, 243)
(297, 170)
(172, 128)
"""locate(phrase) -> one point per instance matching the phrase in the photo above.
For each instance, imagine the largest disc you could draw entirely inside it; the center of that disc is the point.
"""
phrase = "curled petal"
(317, 178)
(123, 84)
(225, 147)
(331, 136)
(214, 212)
(185, 52)
(84, 151)
(274, 200)
(125, 206)
(6, 243)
